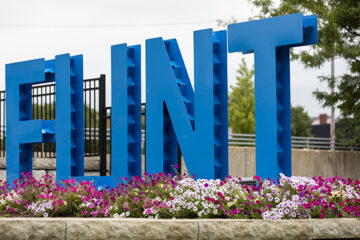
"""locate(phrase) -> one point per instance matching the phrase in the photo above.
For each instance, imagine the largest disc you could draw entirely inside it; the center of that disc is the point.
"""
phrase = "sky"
(31, 29)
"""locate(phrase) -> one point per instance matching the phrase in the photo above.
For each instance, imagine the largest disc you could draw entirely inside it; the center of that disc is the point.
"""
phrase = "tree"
(242, 101)
(46, 111)
(242, 107)
(347, 17)
(300, 122)
(339, 36)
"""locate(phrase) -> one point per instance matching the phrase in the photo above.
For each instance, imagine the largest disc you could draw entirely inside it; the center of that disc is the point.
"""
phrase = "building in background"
(321, 126)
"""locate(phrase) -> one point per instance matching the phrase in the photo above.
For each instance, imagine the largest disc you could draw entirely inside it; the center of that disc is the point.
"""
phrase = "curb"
(139, 228)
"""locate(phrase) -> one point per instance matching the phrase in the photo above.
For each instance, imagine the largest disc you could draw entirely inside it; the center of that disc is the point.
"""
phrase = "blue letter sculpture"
(69, 117)
(21, 130)
(125, 118)
(196, 119)
(125, 111)
(174, 113)
(270, 40)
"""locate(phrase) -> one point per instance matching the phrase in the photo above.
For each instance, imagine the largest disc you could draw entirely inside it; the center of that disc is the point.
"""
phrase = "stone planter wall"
(88, 229)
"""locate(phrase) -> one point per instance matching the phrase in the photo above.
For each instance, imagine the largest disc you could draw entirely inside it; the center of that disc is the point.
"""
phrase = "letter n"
(175, 113)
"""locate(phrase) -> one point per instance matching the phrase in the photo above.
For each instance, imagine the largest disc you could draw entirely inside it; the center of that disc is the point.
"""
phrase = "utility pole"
(332, 124)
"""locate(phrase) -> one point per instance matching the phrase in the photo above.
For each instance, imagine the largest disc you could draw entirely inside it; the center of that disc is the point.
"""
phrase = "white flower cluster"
(12, 197)
(287, 209)
(3, 201)
(296, 181)
(192, 195)
(347, 191)
(122, 215)
(41, 207)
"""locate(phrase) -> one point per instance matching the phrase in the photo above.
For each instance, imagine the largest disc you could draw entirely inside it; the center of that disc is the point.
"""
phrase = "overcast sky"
(31, 29)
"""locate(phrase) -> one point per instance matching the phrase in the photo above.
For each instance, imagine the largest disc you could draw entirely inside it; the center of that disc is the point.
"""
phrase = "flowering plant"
(181, 196)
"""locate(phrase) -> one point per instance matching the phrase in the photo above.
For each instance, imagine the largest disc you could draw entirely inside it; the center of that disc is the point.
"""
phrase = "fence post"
(143, 113)
(307, 142)
(102, 124)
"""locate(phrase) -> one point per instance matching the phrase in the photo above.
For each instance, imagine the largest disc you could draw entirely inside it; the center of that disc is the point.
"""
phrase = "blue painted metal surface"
(125, 116)
(126, 111)
(69, 117)
(270, 40)
(21, 130)
(175, 113)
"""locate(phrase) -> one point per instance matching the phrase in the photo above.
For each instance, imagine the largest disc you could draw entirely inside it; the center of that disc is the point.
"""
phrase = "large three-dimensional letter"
(197, 120)
(69, 117)
(270, 40)
(21, 130)
(125, 116)
(125, 111)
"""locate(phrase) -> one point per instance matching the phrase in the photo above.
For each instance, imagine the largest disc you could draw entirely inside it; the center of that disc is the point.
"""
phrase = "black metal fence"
(97, 118)
(43, 107)
(94, 107)
(107, 143)
(2, 124)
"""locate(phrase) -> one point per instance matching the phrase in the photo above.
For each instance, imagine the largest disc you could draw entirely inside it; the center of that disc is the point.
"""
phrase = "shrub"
(181, 196)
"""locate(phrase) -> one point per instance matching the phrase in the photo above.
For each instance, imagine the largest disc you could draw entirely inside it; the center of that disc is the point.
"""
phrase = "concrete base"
(88, 229)
(305, 162)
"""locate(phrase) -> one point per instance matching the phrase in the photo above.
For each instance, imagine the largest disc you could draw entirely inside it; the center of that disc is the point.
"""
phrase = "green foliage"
(43, 111)
(242, 107)
(92, 117)
(142, 114)
(329, 35)
(47, 111)
(242, 101)
(339, 36)
(300, 122)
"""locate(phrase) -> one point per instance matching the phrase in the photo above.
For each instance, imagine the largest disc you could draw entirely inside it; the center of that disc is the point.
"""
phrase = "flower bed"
(167, 196)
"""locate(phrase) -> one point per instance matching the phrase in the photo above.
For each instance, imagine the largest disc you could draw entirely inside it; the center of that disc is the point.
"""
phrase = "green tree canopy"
(242, 107)
(329, 34)
(339, 36)
(242, 101)
(300, 122)
(46, 111)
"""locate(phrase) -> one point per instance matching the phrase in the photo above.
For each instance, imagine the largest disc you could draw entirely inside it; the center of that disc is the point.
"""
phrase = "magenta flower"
(126, 206)
(136, 200)
(181, 196)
